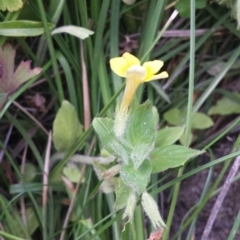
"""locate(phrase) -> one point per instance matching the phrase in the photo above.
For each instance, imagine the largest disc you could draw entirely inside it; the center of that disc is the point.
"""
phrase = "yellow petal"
(158, 76)
(153, 66)
(131, 60)
(119, 66)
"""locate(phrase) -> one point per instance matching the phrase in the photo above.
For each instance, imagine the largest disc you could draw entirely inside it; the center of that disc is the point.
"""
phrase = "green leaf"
(141, 132)
(79, 32)
(66, 127)
(168, 136)
(141, 128)
(201, 121)
(72, 172)
(174, 116)
(115, 146)
(129, 2)
(32, 223)
(10, 5)
(183, 6)
(12, 77)
(190, 139)
(32, 220)
(122, 194)
(214, 68)
(225, 106)
(171, 157)
(137, 179)
(22, 28)
(200, 4)
(30, 172)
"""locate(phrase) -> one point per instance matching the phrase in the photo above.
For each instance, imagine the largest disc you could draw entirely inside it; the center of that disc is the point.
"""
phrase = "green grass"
(93, 215)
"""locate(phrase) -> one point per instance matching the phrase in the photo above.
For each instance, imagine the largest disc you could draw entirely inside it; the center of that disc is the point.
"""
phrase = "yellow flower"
(129, 66)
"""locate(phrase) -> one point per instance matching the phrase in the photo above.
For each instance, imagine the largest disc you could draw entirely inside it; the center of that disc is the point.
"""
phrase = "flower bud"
(131, 204)
(151, 209)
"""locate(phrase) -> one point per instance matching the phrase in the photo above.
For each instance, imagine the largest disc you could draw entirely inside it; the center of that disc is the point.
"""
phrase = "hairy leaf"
(122, 194)
(116, 146)
(137, 179)
(168, 135)
(171, 157)
(141, 132)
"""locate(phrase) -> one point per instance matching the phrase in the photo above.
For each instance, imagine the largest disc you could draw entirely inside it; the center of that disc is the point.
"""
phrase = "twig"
(6, 141)
(45, 184)
(32, 131)
(31, 117)
(85, 89)
(74, 195)
(220, 198)
(46, 170)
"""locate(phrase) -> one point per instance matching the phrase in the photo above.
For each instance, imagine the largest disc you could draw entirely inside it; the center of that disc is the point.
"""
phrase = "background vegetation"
(201, 54)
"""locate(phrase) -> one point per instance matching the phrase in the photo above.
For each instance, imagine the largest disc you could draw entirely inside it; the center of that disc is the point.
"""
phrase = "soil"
(190, 193)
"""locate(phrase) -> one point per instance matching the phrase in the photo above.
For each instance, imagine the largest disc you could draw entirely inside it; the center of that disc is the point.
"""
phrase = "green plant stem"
(51, 51)
(115, 227)
(139, 223)
(188, 120)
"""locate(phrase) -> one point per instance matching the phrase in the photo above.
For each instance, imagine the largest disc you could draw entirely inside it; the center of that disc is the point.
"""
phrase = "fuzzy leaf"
(168, 136)
(142, 127)
(10, 5)
(225, 106)
(137, 179)
(201, 121)
(11, 79)
(66, 127)
(122, 194)
(79, 32)
(141, 132)
(115, 146)
(22, 28)
(171, 157)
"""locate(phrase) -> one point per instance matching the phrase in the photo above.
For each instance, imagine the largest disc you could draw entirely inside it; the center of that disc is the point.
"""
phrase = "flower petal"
(119, 66)
(158, 76)
(131, 60)
(153, 66)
